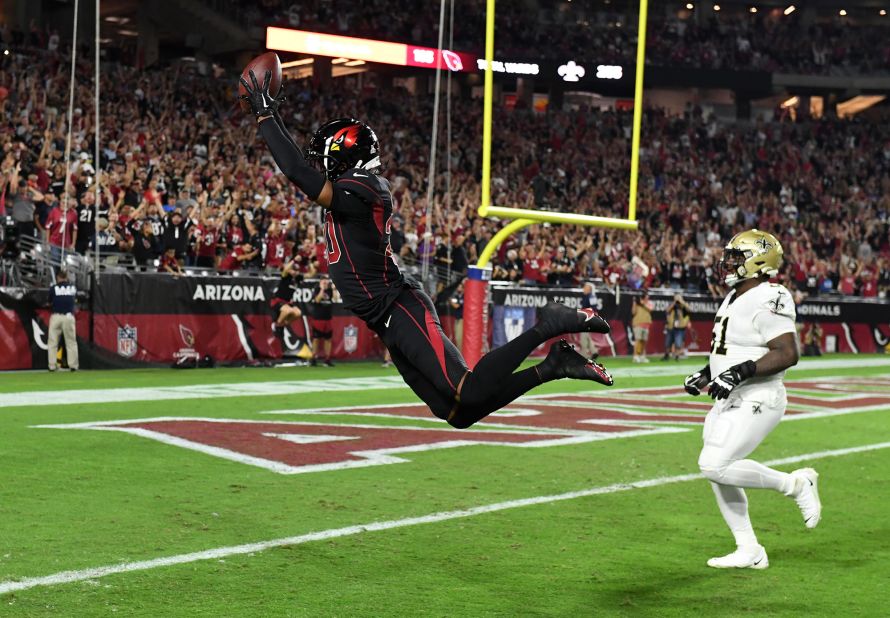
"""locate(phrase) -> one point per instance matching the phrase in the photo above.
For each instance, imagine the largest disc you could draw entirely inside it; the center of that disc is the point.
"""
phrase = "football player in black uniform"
(340, 172)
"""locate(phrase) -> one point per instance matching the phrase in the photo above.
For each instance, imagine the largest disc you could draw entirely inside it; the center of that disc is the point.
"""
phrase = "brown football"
(259, 65)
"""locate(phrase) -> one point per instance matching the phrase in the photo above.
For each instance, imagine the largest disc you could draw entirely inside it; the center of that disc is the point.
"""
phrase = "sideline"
(67, 577)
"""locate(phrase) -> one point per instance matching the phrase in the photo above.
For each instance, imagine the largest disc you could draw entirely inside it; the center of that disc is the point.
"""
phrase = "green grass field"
(151, 517)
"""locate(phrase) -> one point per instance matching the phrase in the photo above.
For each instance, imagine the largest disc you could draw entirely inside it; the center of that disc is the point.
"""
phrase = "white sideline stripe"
(67, 577)
(198, 391)
(296, 387)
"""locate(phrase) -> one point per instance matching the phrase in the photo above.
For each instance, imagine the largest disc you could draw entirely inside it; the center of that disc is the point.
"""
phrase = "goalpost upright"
(476, 287)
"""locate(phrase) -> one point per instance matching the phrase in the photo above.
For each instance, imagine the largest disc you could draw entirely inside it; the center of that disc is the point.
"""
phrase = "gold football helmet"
(751, 254)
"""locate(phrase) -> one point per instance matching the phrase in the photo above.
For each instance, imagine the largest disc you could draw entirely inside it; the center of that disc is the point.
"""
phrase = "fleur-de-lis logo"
(777, 304)
(763, 244)
(571, 71)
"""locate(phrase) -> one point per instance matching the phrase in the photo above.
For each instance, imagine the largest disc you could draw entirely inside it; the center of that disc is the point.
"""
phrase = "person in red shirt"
(847, 284)
(61, 229)
(237, 256)
(169, 263)
(535, 267)
(275, 248)
(234, 232)
(207, 240)
(869, 279)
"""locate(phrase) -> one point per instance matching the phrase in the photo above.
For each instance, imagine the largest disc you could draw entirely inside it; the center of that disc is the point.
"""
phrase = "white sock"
(733, 505)
(754, 475)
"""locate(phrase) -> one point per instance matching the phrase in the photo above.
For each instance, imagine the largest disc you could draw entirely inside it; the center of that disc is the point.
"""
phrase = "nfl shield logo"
(350, 339)
(514, 322)
(126, 341)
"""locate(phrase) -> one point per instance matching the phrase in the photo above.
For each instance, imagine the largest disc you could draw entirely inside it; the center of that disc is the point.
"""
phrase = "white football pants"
(734, 427)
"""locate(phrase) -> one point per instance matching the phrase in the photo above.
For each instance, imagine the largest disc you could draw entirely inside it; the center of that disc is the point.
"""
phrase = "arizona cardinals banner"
(164, 319)
(848, 325)
(134, 319)
(160, 319)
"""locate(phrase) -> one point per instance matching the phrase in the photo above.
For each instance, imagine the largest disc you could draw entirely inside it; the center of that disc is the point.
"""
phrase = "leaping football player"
(341, 172)
(753, 343)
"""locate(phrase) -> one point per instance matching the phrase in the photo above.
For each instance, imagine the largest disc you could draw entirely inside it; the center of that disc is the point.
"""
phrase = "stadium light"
(753, 9)
(690, 6)
(842, 13)
(882, 12)
(344, 48)
(297, 63)
(790, 9)
(716, 7)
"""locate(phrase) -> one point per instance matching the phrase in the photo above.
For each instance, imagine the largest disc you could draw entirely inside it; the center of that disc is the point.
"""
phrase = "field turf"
(95, 521)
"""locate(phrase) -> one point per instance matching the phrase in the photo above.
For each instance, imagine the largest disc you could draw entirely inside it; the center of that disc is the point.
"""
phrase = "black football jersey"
(357, 228)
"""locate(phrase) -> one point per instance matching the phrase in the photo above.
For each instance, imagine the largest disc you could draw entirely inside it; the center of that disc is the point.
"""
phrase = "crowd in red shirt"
(182, 167)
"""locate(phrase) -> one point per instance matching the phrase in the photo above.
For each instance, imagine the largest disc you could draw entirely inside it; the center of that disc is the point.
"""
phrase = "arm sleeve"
(290, 160)
(770, 325)
(775, 314)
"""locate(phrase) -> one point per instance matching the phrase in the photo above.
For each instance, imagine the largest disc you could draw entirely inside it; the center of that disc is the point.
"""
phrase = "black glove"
(723, 384)
(261, 102)
(697, 381)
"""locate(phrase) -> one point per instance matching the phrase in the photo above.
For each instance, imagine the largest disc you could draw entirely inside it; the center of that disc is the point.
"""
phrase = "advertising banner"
(848, 324)
(134, 319)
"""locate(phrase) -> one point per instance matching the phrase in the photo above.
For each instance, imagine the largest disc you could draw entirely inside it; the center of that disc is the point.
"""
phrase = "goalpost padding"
(475, 313)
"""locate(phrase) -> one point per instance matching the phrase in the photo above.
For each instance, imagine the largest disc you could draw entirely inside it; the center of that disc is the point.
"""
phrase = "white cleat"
(753, 557)
(807, 496)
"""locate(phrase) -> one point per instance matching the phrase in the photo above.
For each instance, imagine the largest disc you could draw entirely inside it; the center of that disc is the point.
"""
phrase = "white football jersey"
(745, 324)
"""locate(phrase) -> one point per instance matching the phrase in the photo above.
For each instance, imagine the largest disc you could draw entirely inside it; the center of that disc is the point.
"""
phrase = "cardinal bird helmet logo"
(345, 137)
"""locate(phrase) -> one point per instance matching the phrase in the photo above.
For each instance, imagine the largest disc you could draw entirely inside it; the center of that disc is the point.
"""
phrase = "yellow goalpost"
(475, 305)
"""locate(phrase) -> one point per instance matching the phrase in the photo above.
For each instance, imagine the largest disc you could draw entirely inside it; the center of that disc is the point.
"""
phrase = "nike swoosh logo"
(360, 175)
(758, 562)
(386, 324)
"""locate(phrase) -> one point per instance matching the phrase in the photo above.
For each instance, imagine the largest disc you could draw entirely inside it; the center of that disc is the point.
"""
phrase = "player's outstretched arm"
(293, 164)
(285, 151)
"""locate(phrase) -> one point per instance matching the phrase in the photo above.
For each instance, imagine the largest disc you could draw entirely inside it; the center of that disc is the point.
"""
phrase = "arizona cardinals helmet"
(343, 144)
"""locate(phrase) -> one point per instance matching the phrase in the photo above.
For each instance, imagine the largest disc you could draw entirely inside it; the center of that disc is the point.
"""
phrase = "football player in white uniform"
(753, 343)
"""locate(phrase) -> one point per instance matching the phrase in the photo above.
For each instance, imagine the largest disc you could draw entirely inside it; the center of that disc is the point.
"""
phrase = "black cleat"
(564, 362)
(555, 319)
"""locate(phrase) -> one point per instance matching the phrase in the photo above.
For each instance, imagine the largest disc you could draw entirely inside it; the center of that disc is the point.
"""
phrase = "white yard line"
(67, 577)
(296, 387)
(197, 391)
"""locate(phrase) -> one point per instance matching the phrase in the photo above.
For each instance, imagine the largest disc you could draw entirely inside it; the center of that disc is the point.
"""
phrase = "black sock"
(490, 375)
(508, 389)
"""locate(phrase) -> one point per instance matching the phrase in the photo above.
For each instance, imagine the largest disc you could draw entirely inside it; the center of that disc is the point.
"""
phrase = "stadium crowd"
(186, 182)
(767, 40)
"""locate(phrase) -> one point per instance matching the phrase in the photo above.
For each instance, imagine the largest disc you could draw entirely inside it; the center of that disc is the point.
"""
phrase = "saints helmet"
(751, 254)
(343, 144)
